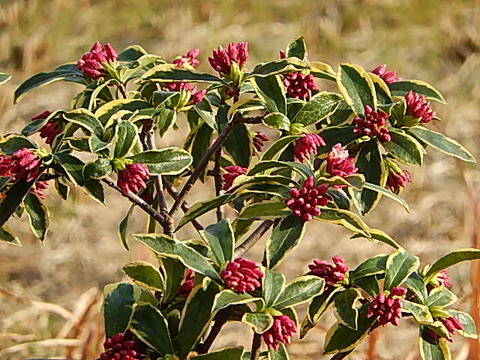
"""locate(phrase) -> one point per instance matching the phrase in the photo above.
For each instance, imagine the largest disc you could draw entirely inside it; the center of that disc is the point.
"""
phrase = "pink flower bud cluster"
(195, 95)
(453, 325)
(133, 178)
(38, 188)
(305, 202)
(6, 166)
(307, 145)
(298, 85)
(339, 163)
(418, 106)
(372, 124)
(388, 76)
(233, 172)
(118, 347)
(259, 141)
(242, 275)
(25, 164)
(222, 59)
(190, 58)
(387, 308)
(333, 274)
(91, 62)
(442, 277)
(282, 330)
(397, 181)
(188, 284)
(51, 129)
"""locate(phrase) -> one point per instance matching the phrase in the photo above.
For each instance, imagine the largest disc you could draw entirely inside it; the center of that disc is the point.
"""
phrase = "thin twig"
(256, 344)
(253, 238)
(137, 201)
(218, 181)
(203, 163)
(221, 319)
(341, 355)
(185, 206)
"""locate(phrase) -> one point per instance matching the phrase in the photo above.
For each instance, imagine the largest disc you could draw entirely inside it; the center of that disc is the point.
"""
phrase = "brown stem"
(137, 201)
(256, 344)
(253, 238)
(217, 176)
(341, 355)
(185, 207)
(122, 90)
(203, 163)
(221, 319)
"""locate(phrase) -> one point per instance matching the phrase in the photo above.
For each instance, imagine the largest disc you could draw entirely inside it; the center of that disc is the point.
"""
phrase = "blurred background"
(50, 293)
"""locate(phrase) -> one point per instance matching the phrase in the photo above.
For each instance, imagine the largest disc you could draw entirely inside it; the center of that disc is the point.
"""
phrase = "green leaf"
(226, 298)
(13, 198)
(106, 111)
(118, 307)
(98, 169)
(281, 354)
(341, 338)
(151, 327)
(165, 246)
(273, 285)
(238, 145)
(125, 138)
(336, 134)
(345, 309)
(299, 291)
(345, 218)
(38, 216)
(369, 284)
(442, 143)
(451, 259)
(400, 88)
(399, 266)
(7, 236)
(170, 73)
(430, 350)
(221, 240)
(203, 207)
(441, 297)
(265, 210)
(4, 78)
(381, 88)
(417, 286)
(61, 73)
(356, 87)
(122, 227)
(278, 67)
(387, 193)
(370, 164)
(196, 317)
(420, 312)
(95, 189)
(277, 148)
(285, 236)
(379, 235)
(11, 143)
(404, 148)
(317, 308)
(168, 161)
(297, 48)
(131, 53)
(86, 120)
(258, 321)
(230, 353)
(271, 93)
(318, 108)
(173, 274)
(266, 165)
(373, 266)
(469, 328)
(277, 121)
(144, 274)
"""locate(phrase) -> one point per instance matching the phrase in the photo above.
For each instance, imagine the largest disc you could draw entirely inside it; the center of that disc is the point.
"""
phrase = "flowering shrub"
(328, 157)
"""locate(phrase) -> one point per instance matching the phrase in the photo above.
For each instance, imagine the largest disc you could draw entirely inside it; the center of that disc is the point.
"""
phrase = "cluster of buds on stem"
(387, 308)
(242, 275)
(388, 76)
(307, 145)
(117, 347)
(339, 163)
(193, 95)
(298, 85)
(92, 63)
(188, 283)
(190, 58)
(132, 178)
(282, 330)
(51, 129)
(451, 324)
(230, 61)
(372, 124)
(333, 274)
(259, 141)
(418, 107)
(305, 202)
(232, 172)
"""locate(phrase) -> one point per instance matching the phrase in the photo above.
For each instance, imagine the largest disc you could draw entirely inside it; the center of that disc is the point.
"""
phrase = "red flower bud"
(195, 95)
(372, 124)
(221, 59)
(281, 332)
(398, 181)
(6, 166)
(307, 145)
(305, 202)
(188, 283)
(38, 188)
(189, 58)
(388, 76)
(332, 274)
(242, 275)
(418, 106)
(259, 141)
(388, 309)
(118, 347)
(338, 162)
(133, 178)
(232, 173)
(26, 165)
(91, 62)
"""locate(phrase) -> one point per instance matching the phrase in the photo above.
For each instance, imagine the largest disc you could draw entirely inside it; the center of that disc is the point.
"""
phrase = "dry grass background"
(49, 293)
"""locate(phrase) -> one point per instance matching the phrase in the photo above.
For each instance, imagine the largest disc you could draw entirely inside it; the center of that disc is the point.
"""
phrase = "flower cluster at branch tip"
(133, 178)
(419, 107)
(91, 63)
(305, 202)
(188, 283)
(232, 172)
(117, 347)
(25, 164)
(6, 166)
(195, 95)
(51, 129)
(259, 141)
(281, 331)
(242, 275)
(387, 308)
(333, 274)
(397, 181)
(372, 124)
(339, 163)
(388, 76)
(298, 85)
(190, 58)
(222, 59)
(307, 145)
